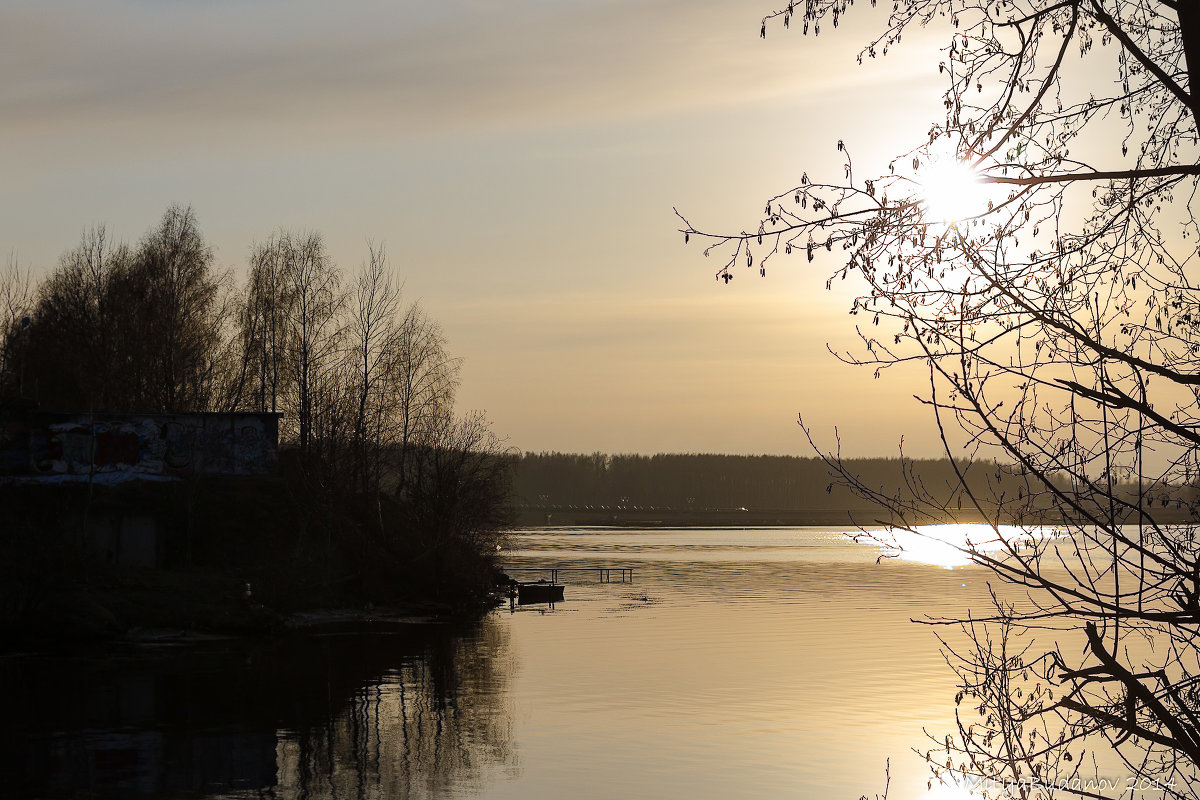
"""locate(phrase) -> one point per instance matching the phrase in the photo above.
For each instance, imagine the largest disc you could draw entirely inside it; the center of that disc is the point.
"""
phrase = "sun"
(949, 792)
(950, 190)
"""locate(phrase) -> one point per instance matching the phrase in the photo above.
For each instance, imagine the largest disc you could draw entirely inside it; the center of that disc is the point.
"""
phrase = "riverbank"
(159, 606)
(244, 557)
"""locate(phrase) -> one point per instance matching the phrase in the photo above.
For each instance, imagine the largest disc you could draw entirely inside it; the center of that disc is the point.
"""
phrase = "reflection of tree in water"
(413, 713)
(431, 726)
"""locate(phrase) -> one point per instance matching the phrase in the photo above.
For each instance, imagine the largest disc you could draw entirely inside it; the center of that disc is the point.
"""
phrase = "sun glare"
(939, 545)
(950, 191)
(945, 792)
(949, 546)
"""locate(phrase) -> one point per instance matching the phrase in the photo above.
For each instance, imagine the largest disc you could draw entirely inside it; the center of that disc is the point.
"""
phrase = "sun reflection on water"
(953, 545)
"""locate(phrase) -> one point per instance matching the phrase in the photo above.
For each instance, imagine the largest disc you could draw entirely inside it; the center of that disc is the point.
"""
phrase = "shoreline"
(155, 608)
(566, 517)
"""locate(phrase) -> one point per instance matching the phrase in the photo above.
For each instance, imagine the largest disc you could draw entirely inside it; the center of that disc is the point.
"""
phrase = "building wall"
(146, 444)
(123, 536)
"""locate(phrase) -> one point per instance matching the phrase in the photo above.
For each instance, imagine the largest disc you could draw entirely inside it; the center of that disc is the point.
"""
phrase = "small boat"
(542, 591)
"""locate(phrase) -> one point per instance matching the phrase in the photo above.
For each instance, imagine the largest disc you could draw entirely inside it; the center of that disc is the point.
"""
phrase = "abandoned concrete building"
(115, 480)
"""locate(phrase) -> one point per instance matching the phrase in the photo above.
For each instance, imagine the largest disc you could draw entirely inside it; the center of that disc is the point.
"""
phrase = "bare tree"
(118, 328)
(372, 332)
(456, 495)
(424, 378)
(262, 322)
(16, 309)
(359, 372)
(71, 348)
(313, 319)
(292, 329)
(175, 334)
(1036, 255)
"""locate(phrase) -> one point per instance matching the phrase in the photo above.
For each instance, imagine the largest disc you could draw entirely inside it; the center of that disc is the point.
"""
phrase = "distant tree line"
(712, 482)
(363, 378)
(704, 480)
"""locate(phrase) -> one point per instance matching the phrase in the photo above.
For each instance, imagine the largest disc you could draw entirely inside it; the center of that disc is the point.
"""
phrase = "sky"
(520, 163)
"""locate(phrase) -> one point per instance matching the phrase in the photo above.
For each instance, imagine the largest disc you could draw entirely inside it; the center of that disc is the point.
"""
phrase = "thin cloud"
(712, 329)
(404, 69)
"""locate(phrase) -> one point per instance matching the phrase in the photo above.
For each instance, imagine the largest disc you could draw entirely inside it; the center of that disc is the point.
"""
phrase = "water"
(756, 663)
(763, 663)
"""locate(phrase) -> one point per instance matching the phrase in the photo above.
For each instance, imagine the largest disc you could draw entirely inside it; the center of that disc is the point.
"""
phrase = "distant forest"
(706, 484)
(720, 482)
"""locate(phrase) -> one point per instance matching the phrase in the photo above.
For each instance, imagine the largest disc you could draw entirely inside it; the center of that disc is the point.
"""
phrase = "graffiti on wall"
(153, 444)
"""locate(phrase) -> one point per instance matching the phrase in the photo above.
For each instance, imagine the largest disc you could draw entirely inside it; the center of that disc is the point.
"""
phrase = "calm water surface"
(762, 663)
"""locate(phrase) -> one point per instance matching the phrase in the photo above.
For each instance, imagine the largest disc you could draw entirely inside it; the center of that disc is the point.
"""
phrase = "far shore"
(650, 517)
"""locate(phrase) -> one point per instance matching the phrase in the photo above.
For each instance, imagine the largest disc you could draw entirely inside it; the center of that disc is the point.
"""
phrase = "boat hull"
(539, 592)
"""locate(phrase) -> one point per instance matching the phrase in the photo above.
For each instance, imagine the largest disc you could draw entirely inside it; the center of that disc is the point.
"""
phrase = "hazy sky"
(519, 160)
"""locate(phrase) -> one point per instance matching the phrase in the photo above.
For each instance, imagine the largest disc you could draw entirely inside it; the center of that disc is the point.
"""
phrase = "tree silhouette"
(129, 329)
(1035, 254)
